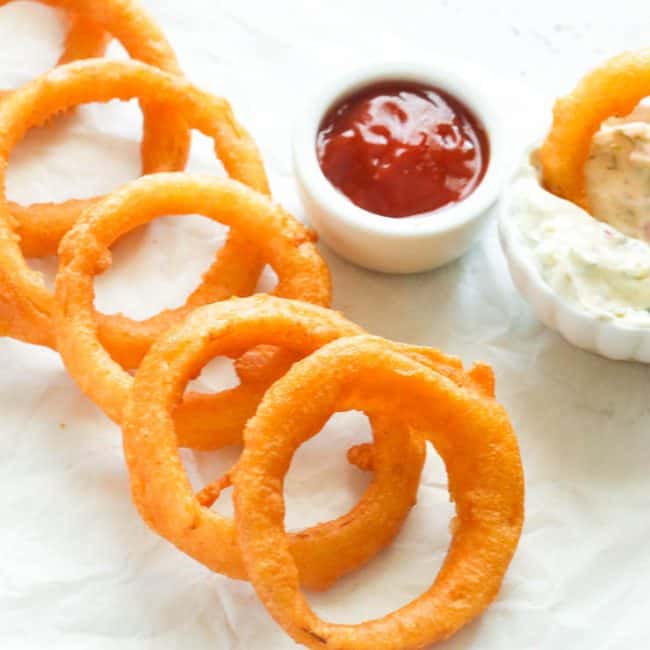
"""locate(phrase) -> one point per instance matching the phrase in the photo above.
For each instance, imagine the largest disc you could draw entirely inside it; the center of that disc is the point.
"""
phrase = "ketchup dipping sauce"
(399, 149)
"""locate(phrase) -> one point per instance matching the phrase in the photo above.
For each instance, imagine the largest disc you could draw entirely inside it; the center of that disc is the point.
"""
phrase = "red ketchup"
(399, 149)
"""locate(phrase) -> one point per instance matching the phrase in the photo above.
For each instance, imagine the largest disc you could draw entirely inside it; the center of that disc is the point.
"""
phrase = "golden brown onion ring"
(284, 243)
(161, 489)
(611, 90)
(237, 267)
(470, 431)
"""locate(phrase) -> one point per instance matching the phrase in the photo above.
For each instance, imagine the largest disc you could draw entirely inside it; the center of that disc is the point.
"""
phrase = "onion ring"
(165, 142)
(256, 369)
(472, 434)
(611, 90)
(161, 489)
(284, 243)
(101, 80)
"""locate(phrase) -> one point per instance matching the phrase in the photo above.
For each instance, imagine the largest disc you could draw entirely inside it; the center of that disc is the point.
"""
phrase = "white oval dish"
(608, 338)
(408, 244)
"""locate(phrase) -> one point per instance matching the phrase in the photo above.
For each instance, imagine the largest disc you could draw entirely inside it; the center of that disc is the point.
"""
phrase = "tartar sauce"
(618, 173)
(586, 261)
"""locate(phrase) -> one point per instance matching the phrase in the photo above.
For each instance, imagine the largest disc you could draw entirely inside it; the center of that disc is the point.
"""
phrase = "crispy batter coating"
(468, 429)
(85, 39)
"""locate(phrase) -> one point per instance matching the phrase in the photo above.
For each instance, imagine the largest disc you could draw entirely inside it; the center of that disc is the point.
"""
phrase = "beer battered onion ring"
(471, 433)
(284, 243)
(27, 312)
(611, 90)
(161, 489)
(165, 141)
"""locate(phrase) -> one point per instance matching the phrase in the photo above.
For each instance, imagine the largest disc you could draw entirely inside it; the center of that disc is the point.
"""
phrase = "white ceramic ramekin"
(410, 244)
(584, 330)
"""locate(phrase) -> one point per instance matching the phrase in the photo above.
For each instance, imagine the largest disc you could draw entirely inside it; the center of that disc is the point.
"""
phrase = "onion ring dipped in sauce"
(593, 247)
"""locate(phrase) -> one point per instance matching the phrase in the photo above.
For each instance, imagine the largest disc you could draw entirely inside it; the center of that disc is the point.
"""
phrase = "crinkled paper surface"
(78, 568)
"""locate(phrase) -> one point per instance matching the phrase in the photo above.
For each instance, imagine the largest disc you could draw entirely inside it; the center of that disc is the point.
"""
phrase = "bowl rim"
(460, 84)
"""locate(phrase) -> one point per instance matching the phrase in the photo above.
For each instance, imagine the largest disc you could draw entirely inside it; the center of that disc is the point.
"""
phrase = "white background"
(78, 569)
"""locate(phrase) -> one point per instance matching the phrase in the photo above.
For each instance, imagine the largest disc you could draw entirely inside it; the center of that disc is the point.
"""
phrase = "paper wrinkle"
(80, 570)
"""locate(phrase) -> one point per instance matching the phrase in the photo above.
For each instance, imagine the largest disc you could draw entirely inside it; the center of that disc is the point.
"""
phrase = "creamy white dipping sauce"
(618, 173)
(586, 261)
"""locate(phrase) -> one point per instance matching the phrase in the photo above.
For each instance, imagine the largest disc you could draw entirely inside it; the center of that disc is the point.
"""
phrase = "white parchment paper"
(78, 568)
